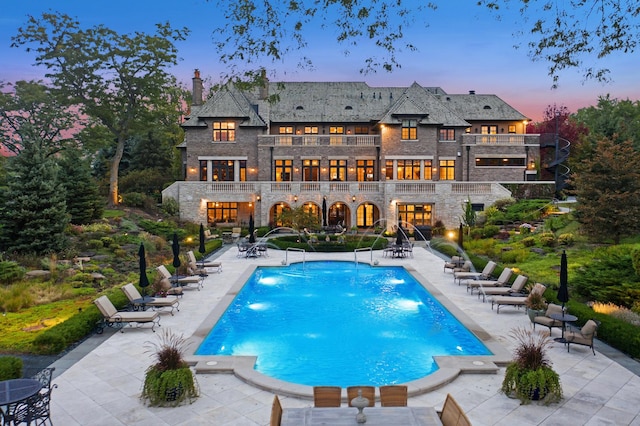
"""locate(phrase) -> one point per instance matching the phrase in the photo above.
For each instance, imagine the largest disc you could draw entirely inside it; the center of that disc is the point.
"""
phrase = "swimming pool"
(339, 323)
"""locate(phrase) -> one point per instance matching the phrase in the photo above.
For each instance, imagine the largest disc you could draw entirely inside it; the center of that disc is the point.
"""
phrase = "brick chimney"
(196, 95)
(264, 87)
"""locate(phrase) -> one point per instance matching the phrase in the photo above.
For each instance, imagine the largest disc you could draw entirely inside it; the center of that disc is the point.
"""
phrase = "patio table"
(376, 416)
(16, 390)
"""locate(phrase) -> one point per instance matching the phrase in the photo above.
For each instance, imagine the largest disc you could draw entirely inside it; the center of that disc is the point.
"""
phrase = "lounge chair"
(517, 301)
(204, 264)
(393, 396)
(584, 336)
(484, 275)
(209, 236)
(327, 396)
(515, 289)
(134, 297)
(456, 262)
(276, 412)
(546, 319)
(114, 318)
(235, 233)
(181, 281)
(452, 414)
(368, 392)
(502, 281)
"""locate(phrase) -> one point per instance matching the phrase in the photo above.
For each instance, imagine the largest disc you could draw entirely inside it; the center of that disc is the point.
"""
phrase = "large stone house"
(365, 155)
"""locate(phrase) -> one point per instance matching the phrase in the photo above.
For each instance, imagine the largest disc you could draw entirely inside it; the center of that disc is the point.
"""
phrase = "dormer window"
(348, 107)
(409, 129)
(224, 131)
(299, 107)
(486, 107)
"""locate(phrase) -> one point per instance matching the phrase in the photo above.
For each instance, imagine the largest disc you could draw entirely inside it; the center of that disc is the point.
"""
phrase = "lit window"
(224, 131)
(447, 135)
(447, 169)
(409, 129)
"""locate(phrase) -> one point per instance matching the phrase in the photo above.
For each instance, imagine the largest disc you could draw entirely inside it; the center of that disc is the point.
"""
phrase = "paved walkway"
(100, 380)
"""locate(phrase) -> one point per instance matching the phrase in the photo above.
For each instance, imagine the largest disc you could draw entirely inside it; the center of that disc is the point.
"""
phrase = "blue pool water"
(335, 323)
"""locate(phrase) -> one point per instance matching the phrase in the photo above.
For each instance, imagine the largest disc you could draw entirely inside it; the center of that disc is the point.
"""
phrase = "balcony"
(317, 140)
(508, 139)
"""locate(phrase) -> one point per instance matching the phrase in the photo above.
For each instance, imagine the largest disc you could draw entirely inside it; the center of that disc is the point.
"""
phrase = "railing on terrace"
(306, 140)
(351, 188)
(508, 139)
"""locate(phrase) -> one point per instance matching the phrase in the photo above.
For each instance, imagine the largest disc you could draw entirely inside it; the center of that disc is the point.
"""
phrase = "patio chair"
(45, 376)
(368, 392)
(116, 319)
(180, 281)
(546, 319)
(584, 336)
(502, 280)
(134, 295)
(327, 396)
(235, 233)
(452, 414)
(203, 264)
(515, 289)
(484, 275)
(393, 396)
(276, 412)
(35, 409)
(243, 249)
(516, 301)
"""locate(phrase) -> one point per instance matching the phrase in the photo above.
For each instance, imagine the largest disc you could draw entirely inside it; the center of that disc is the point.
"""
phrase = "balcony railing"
(317, 140)
(509, 139)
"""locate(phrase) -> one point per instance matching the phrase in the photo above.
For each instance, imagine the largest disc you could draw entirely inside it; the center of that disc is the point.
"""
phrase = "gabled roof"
(225, 103)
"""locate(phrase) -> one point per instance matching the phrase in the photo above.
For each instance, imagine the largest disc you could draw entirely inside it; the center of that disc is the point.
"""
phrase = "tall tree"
(607, 184)
(30, 113)
(32, 208)
(113, 79)
(83, 201)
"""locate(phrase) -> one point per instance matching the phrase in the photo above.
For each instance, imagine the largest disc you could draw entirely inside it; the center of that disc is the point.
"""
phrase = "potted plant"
(536, 305)
(169, 381)
(529, 377)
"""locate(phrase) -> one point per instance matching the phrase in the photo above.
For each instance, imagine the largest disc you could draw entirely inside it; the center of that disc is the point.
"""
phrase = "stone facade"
(374, 155)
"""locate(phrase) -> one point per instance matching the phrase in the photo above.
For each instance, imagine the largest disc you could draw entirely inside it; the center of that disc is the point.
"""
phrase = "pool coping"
(449, 367)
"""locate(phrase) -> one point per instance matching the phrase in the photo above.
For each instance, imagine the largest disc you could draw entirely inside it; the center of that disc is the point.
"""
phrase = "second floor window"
(447, 169)
(408, 169)
(447, 135)
(310, 170)
(409, 129)
(224, 131)
(283, 170)
(364, 170)
(222, 170)
(203, 170)
(338, 170)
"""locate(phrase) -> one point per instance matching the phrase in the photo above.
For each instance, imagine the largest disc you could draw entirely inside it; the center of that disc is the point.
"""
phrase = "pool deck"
(99, 382)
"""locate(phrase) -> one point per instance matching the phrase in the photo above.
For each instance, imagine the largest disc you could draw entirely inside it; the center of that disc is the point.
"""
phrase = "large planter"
(169, 388)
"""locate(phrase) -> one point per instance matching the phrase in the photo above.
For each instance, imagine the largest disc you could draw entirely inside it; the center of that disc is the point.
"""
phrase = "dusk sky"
(464, 48)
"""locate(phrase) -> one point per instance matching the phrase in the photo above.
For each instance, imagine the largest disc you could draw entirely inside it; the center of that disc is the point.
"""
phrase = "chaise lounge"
(515, 289)
(516, 301)
(116, 319)
(180, 281)
(502, 281)
(204, 264)
(484, 275)
(136, 300)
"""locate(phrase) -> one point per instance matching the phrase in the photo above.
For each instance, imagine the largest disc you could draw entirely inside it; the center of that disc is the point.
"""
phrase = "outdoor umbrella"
(460, 236)
(324, 211)
(399, 235)
(144, 281)
(175, 247)
(252, 237)
(563, 291)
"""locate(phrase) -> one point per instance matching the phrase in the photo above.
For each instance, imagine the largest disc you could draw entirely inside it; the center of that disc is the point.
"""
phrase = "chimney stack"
(196, 96)
(264, 86)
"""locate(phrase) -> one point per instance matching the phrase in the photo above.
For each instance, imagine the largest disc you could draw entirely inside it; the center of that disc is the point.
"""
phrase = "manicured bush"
(10, 367)
(528, 242)
(547, 239)
(489, 231)
(515, 256)
(565, 239)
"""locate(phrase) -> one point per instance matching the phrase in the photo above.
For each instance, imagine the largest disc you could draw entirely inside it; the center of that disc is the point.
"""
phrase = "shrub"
(528, 242)
(565, 239)
(10, 367)
(139, 200)
(489, 231)
(10, 272)
(515, 256)
(95, 244)
(18, 296)
(547, 239)
(107, 241)
(171, 207)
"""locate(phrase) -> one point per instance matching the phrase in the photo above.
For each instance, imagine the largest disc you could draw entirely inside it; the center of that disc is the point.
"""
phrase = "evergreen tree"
(84, 203)
(33, 213)
(608, 189)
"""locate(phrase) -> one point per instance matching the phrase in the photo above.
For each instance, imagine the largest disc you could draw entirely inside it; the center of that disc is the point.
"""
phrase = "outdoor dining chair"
(393, 396)
(327, 396)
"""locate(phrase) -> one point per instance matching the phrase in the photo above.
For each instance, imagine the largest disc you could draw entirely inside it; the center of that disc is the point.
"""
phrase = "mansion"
(365, 156)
